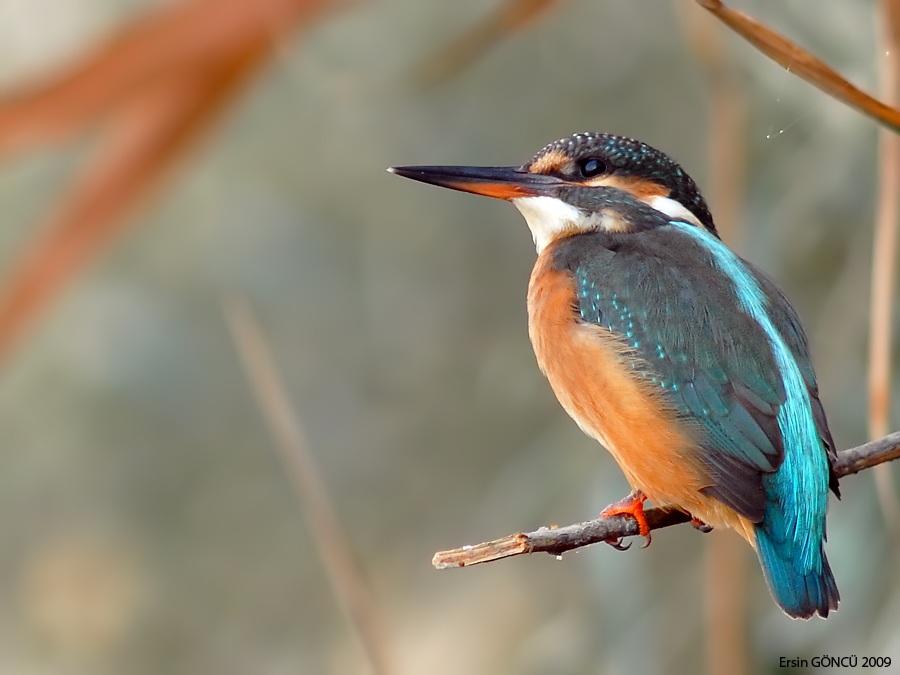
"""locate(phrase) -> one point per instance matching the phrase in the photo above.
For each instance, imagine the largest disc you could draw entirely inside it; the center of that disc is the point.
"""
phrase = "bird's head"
(576, 185)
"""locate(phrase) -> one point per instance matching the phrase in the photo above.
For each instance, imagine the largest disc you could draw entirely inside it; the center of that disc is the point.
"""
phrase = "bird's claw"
(617, 544)
(632, 505)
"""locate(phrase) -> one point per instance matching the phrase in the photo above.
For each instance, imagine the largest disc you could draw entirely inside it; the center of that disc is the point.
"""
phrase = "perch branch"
(558, 540)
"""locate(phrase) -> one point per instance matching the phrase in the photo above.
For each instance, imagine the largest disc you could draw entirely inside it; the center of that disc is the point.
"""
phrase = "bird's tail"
(802, 585)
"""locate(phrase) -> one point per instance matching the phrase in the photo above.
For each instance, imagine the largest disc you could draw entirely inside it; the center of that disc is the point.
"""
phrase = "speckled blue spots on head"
(629, 157)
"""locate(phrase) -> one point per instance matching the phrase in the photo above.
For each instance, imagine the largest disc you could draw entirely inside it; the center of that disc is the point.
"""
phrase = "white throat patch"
(549, 217)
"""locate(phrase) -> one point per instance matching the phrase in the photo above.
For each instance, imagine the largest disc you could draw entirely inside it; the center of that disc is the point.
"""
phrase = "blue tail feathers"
(791, 536)
(801, 588)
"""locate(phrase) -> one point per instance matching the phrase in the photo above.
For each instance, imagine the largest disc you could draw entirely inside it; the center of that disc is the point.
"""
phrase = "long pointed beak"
(499, 182)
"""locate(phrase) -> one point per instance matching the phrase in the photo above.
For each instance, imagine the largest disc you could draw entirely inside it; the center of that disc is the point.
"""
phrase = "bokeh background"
(149, 526)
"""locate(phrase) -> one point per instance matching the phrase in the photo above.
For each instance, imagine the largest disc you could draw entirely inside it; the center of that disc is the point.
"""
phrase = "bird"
(685, 361)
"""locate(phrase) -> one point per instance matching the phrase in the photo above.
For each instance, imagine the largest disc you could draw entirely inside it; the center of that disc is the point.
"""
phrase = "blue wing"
(788, 324)
(667, 300)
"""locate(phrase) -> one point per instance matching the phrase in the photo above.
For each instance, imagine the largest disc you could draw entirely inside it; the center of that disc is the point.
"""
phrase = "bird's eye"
(591, 167)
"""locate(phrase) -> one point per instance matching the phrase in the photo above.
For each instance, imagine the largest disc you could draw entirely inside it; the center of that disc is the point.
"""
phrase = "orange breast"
(589, 370)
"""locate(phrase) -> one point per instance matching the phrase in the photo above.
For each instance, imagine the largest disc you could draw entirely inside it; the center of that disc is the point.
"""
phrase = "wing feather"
(715, 363)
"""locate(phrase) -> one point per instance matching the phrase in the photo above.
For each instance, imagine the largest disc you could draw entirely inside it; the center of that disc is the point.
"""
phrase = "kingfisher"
(684, 360)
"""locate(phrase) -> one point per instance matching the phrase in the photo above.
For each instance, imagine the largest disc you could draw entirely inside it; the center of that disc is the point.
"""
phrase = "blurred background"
(149, 525)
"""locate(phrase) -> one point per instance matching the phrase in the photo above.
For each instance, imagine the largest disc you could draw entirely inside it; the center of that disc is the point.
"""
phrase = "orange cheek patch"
(549, 163)
(640, 188)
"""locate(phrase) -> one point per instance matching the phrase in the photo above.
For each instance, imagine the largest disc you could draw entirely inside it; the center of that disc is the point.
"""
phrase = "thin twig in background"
(515, 14)
(727, 120)
(884, 264)
(725, 591)
(511, 16)
(343, 571)
(558, 540)
(725, 565)
(803, 64)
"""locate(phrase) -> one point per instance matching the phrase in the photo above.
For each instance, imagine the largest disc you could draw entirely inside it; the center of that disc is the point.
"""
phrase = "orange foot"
(632, 505)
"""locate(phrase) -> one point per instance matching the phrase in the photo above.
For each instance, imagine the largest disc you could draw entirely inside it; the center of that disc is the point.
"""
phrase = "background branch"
(803, 64)
(884, 264)
(332, 544)
(558, 540)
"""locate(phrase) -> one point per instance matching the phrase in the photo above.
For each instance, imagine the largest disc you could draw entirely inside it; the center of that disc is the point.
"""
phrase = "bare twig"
(558, 540)
(727, 126)
(802, 63)
(514, 14)
(509, 17)
(345, 575)
(884, 264)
